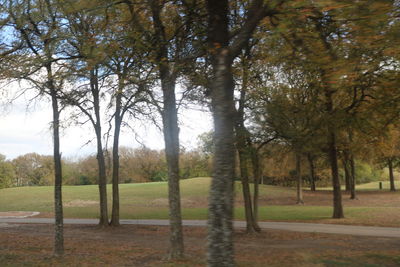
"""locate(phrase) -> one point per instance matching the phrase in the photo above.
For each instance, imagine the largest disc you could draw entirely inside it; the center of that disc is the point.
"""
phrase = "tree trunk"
(312, 171)
(171, 138)
(337, 193)
(243, 146)
(220, 243)
(257, 178)
(352, 178)
(251, 224)
(220, 205)
(58, 207)
(300, 200)
(103, 221)
(391, 176)
(171, 132)
(347, 171)
(115, 159)
(220, 226)
(332, 153)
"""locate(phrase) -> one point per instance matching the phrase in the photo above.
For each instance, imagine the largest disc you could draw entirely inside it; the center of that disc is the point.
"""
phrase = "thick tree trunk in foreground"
(220, 205)
(300, 200)
(391, 176)
(103, 220)
(312, 171)
(220, 243)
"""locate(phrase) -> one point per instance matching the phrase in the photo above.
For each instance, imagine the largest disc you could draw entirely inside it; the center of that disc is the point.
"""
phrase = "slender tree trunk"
(257, 178)
(171, 138)
(171, 132)
(391, 176)
(115, 159)
(243, 148)
(58, 207)
(251, 224)
(352, 178)
(103, 221)
(347, 171)
(337, 194)
(300, 200)
(312, 171)
(332, 154)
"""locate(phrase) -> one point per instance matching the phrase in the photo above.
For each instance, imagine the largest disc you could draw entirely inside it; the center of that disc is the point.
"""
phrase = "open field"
(134, 245)
(149, 201)
(31, 245)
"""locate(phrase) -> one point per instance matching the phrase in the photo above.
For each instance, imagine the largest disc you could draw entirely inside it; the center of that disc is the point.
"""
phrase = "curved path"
(298, 227)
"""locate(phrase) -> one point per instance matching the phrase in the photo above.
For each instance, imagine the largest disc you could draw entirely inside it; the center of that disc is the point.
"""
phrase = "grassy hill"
(149, 201)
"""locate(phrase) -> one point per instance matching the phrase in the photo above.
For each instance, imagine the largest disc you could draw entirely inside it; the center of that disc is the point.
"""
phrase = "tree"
(87, 97)
(222, 51)
(7, 173)
(36, 24)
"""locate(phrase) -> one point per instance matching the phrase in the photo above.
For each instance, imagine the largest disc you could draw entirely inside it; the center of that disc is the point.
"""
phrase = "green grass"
(367, 186)
(136, 201)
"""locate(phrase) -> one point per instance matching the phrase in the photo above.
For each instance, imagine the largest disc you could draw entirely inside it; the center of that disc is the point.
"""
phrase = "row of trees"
(136, 166)
(318, 76)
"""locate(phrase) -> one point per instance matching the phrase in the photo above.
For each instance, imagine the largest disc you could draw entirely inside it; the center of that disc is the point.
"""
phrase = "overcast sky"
(26, 128)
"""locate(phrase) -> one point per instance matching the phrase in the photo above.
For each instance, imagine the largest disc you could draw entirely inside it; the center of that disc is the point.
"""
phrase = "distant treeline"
(137, 165)
(148, 165)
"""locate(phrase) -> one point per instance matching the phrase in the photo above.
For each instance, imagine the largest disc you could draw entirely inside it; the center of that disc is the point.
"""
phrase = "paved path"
(298, 227)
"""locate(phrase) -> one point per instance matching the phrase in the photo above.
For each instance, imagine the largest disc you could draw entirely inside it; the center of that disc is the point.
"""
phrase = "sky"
(25, 127)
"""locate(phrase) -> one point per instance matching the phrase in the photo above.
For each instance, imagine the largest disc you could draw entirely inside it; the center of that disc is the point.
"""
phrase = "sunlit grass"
(149, 201)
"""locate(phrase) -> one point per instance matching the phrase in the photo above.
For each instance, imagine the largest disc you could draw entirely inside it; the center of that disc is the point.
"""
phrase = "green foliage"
(367, 173)
(7, 173)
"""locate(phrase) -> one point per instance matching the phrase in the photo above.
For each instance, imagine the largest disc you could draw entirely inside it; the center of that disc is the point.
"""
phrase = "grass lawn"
(149, 201)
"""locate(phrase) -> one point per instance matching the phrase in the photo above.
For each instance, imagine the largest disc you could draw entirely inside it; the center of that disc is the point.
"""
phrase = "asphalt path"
(297, 227)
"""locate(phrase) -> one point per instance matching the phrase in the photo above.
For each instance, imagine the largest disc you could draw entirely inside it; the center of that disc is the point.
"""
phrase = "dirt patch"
(18, 214)
(163, 202)
(32, 245)
(80, 203)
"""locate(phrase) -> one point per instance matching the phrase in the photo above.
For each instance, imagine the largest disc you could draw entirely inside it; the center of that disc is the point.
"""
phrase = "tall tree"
(37, 23)
(222, 51)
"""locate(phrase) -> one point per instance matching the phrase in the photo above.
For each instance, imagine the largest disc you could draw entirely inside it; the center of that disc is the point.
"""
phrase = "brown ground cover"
(324, 198)
(31, 245)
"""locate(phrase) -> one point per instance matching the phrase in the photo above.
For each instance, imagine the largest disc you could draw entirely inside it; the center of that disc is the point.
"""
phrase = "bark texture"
(220, 241)
(222, 53)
